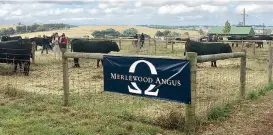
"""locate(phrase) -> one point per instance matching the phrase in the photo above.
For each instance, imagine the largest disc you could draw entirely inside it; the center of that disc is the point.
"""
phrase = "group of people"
(214, 38)
(55, 43)
(140, 42)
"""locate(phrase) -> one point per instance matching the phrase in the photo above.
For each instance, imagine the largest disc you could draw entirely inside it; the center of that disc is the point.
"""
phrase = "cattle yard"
(214, 85)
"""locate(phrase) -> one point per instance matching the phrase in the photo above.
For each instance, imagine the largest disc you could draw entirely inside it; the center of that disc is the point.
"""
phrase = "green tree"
(201, 32)
(166, 33)
(110, 32)
(10, 31)
(175, 34)
(187, 33)
(130, 32)
(159, 34)
(97, 34)
(227, 28)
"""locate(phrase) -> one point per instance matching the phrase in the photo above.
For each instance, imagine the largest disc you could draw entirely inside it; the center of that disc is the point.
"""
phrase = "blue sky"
(135, 12)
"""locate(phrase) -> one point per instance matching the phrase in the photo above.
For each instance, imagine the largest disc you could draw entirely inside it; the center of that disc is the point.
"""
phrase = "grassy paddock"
(111, 112)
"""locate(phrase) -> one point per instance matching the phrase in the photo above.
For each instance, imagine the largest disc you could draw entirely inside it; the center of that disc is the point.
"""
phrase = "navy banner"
(162, 78)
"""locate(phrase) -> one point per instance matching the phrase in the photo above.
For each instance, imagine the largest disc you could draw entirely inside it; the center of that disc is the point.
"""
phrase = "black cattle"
(207, 49)
(220, 38)
(261, 37)
(80, 45)
(40, 41)
(237, 38)
(203, 39)
(16, 52)
(8, 38)
(178, 39)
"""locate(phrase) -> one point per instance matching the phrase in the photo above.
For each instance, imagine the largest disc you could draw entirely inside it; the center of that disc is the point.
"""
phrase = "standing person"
(63, 41)
(44, 46)
(136, 41)
(56, 48)
(142, 38)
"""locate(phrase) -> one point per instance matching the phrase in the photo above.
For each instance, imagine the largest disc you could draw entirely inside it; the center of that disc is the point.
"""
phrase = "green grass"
(220, 112)
(254, 94)
(25, 114)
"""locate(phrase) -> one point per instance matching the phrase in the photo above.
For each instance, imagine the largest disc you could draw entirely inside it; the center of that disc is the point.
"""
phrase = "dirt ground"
(249, 118)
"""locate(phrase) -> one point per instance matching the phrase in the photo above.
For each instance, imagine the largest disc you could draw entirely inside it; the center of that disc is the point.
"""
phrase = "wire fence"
(214, 85)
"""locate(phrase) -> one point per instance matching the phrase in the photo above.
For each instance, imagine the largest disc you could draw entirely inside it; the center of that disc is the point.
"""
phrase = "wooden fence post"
(166, 42)
(270, 63)
(120, 44)
(65, 78)
(33, 52)
(243, 44)
(190, 120)
(155, 45)
(254, 48)
(243, 76)
(172, 46)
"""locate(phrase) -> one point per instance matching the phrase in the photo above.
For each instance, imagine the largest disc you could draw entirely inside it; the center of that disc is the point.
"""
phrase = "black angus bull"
(40, 41)
(86, 46)
(8, 38)
(16, 52)
(237, 38)
(207, 49)
(261, 37)
(178, 39)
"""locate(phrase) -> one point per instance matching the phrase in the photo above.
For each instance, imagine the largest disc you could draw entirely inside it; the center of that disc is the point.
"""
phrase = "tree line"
(112, 32)
(130, 32)
(33, 28)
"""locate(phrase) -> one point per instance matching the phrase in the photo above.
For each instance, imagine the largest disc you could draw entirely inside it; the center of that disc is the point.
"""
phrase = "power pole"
(244, 16)
(263, 28)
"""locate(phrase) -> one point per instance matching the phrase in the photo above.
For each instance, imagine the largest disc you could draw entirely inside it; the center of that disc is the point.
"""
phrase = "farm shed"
(234, 31)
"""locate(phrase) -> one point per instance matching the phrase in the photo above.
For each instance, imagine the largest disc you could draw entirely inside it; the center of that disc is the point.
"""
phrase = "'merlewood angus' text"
(150, 80)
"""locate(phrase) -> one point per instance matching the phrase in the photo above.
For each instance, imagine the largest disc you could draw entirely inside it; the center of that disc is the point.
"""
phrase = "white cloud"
(180, 9)
(132, 11)
(254, 8)
(111, 10)
(190, 18)
(213, 9)
(103, 6)
(16, 13)
(174, 9)
(79, 19)
(93, 11)
(54, 12)
(138, 4)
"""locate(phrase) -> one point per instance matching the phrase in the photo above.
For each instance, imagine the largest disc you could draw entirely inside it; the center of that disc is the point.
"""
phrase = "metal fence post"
(190, 120)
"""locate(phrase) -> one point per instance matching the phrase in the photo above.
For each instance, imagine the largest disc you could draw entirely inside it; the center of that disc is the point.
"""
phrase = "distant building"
(261, 31)
(234, 31)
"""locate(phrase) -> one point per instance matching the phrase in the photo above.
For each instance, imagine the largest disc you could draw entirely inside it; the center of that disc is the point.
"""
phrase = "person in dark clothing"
(136, 41)
(142, 38)
(45, 46)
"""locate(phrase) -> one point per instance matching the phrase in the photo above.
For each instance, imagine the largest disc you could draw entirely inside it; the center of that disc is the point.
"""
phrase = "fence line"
(171, 42)
(190, 110)
(192, 57)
